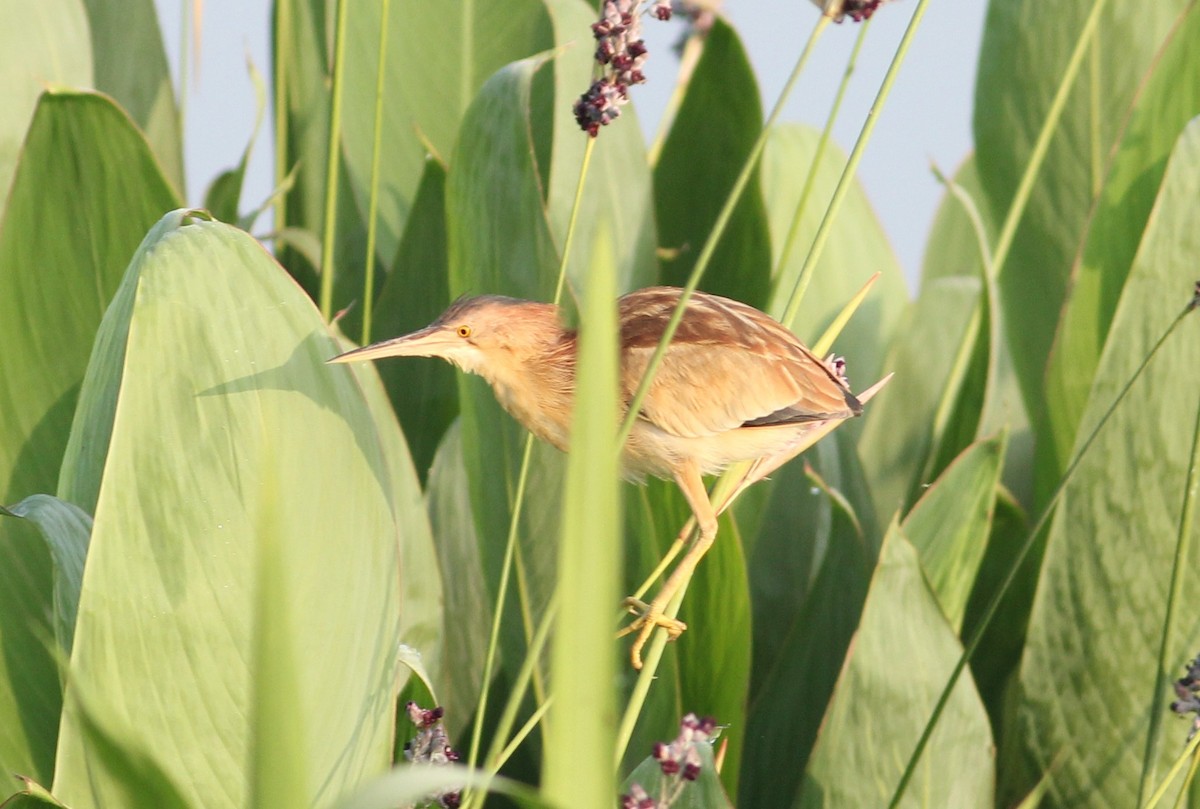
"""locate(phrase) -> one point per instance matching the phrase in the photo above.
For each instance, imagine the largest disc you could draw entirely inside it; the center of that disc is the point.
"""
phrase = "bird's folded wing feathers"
(707, 388)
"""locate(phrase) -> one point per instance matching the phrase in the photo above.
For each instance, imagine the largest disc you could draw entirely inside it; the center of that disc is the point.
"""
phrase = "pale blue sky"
(927, 118)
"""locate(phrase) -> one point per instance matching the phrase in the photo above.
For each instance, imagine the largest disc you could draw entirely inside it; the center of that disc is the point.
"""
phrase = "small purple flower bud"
(691, 771)
(662, 10)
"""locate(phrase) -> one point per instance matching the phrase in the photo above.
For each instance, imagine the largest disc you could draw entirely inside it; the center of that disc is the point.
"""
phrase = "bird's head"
(485, 334)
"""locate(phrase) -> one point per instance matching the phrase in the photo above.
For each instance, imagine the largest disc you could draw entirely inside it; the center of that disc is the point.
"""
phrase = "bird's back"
(731, 371)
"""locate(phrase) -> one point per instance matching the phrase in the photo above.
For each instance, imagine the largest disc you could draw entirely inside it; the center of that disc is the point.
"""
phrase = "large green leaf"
(1090, 666)
(900, 658)
(207, 418)
(130, 65)
(1025, 50)
(1169, 99)
(72, 222)
(438, 56)
(949, 525)
(720, 115)
(40, 43)
(857, 248)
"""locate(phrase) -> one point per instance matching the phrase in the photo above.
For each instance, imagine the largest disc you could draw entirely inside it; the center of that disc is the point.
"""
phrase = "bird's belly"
(653, 451)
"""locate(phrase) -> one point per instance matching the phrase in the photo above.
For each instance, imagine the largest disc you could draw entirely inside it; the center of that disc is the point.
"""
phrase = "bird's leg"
(651, 615)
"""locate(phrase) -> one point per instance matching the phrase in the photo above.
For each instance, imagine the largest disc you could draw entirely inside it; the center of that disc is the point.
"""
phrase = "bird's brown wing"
(728, 366)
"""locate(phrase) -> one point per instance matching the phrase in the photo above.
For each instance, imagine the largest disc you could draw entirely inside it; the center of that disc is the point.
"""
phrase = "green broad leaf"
(467, 607)
(706, 792)
(66, 528)
(857, 248)
(618, 187)
(40, 44)
(438, 56)
(950, 524)
(422, 389)
(1161, 109)
(207, 420)
(720, 115)
(803, 641)
(62, 253)
(499, 242)
(581, 731)
(130, 64)
(899, 433)
(1089, 675)
(900, 658)
(1025, 50)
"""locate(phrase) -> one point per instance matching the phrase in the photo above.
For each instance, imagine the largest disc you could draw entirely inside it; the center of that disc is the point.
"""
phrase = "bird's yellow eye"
(464, 331)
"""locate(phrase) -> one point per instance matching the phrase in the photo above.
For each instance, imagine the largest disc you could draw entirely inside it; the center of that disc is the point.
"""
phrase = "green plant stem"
(847, 179)
(810, 180)
(1011, 575)
(710, 245)
(283, 39)
(373, 204)
(184, 52)
(1187, 782)
(1041, 146)
(1183, 541)
(1190, 752)
(331, 165)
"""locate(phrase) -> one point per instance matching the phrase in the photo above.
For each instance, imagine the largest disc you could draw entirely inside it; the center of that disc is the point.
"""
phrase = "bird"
(733, 385)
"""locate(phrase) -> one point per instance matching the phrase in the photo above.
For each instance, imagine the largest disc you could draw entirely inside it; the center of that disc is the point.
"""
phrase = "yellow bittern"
(734, 385)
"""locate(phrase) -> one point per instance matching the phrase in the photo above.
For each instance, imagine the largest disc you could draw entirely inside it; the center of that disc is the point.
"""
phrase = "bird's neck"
(539, 391)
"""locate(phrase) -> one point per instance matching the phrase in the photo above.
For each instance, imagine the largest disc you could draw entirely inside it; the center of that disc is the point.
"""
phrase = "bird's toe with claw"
(647, 617)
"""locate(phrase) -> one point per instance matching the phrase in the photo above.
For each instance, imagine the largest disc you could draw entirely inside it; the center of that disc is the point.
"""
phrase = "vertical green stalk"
(373, 204)
(789, 242)
(847, 178)
(185, 31)
(1010, 576)
(283, 40)
(331, 165)
(1187, 519)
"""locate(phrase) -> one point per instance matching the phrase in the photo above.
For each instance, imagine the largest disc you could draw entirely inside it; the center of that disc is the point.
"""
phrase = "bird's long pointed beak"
(428, 342)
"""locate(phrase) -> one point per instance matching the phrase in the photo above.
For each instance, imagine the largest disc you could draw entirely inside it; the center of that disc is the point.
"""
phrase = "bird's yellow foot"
(648, 616)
